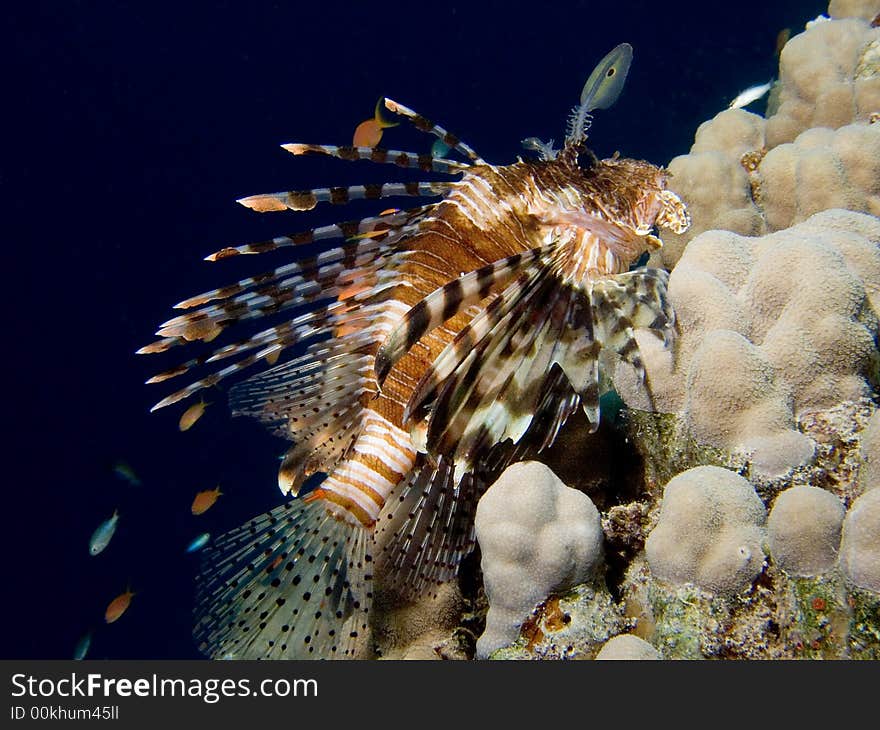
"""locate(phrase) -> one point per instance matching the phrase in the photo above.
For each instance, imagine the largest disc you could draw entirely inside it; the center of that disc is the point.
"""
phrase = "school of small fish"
(103, 534)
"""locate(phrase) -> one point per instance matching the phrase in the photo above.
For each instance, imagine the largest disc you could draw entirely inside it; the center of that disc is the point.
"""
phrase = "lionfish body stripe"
(427, 351)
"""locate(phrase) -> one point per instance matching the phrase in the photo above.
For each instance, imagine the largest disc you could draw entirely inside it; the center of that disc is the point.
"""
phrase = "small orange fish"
(369, 132)
(118, 606)
(272, 357)
(781, 39)
(192, 414)
(205, 500)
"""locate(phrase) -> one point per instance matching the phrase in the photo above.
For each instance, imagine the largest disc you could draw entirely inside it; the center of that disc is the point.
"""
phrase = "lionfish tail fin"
(293, 583)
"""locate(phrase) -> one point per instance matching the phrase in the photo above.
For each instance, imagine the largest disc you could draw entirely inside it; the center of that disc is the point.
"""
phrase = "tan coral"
(819, 87)
(770, 327)
(817, 150)
(821, 169)
(536, 536)
(709, 533)
(860, 546)
(869, 468)
(804, 530)
(864, 9)
(714, 182)
(627, 647)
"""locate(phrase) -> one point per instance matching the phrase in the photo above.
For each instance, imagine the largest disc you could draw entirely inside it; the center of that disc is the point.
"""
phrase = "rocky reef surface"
(732, 508)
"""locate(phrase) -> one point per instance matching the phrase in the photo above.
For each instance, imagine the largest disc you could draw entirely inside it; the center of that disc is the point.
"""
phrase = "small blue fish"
(82, 647)
(199, 542)
(102, 536)
(439, 149)
(125, 472)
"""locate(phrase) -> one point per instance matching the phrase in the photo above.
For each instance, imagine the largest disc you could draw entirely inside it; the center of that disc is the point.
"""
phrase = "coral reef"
(817, 150)
(740, 490)
(537, 536)
(828, 78)
(803, 530)
(869, 470)
(792, 318)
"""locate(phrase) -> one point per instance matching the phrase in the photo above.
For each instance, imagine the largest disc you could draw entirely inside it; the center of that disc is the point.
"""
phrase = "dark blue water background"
(131, 128)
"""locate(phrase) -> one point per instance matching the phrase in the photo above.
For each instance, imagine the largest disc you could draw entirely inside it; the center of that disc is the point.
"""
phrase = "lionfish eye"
(610, 73)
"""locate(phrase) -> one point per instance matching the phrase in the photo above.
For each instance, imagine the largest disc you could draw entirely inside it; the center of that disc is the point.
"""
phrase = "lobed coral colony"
(755, 529)
(750, 527)
(732, 509)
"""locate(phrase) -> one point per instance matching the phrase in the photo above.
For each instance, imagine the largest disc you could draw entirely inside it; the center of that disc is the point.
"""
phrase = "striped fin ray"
(484, 402)
(308, 326)
(290, 584)
(308, 199)
(425, 125)
(403, 221)
(355, 287)
(428, 528)
(508, 374)
(323, 277)
(412, 160)
(447, 301)
(302, 327)
(635, 299)
(507, 390)
(350, 254)
(468, 345)
(558, 401)
(206, 324)
(318, 408)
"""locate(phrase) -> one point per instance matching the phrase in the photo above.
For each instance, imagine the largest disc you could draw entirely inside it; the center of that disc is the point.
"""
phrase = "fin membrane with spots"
(294, 583)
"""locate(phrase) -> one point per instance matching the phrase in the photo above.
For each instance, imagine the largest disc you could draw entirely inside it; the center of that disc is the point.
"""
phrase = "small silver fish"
(82, 647)
(753, 93)
(199, 542)
(102, 536)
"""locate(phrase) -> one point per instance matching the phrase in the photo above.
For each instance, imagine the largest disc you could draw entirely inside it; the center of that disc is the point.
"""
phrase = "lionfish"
(426, 349)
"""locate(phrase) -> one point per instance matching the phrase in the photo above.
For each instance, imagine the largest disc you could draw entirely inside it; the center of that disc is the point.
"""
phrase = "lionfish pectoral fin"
(626, 302)
(445, 302)
(529, 353)
(427, 527)
(290, 584)
(325, 417)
